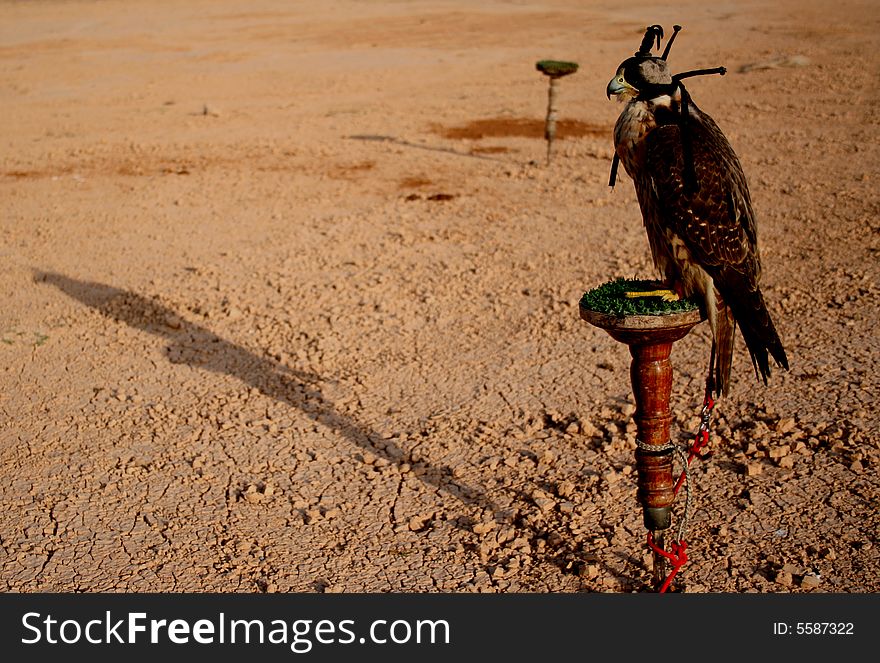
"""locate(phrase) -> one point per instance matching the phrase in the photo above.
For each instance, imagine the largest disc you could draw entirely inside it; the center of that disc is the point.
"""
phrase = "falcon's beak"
(617, 86)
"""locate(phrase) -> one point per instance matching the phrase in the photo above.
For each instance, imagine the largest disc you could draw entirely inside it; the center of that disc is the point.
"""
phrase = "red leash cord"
(678, 558)
(678, 555)
(701, 439)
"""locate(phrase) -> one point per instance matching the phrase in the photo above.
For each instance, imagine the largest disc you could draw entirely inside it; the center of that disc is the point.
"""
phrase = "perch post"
(650, 338)
(554, 69)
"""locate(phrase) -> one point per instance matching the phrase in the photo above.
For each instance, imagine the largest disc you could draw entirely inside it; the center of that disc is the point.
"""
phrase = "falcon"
(695, 204)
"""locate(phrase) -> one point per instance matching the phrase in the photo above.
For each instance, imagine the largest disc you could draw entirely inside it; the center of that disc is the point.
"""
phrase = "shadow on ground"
(199, 347)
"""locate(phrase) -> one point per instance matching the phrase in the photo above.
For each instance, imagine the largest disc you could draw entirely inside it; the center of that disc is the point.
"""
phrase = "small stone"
(779, 452)
(811, 581)
(173, 321)
(591, 571)
(588, 429)
(252, 494)
(554, 540)
(754, 469)
(522, 545)
(545, 503)
(271, 588)
(565, 488)
(573, 428)
(611, 583)
(785, 425)
(787, 462)
(783, 578)
(483, 528)
(418, 523)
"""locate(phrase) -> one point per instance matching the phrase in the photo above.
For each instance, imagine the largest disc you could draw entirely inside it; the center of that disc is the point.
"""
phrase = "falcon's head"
(644, 75)
(638, 77)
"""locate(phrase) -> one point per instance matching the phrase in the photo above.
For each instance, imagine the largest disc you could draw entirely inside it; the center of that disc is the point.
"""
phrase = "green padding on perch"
(556, 68)
(610, 298)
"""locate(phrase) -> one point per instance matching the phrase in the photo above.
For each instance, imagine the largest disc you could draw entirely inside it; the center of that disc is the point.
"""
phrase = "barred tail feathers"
(747, 306)
(724, 333)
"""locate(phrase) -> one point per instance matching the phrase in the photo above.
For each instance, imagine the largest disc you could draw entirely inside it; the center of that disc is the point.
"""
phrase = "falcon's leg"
(710, 378)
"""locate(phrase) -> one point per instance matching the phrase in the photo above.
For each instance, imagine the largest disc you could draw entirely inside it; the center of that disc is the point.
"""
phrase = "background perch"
(553, 69)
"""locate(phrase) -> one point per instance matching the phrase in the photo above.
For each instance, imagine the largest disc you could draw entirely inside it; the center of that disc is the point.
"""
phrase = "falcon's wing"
(717, 225)
(716, 222)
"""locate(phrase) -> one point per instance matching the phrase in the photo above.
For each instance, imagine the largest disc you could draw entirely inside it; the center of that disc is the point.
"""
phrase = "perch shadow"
(521, 127)
(196, 346)
(405, 143)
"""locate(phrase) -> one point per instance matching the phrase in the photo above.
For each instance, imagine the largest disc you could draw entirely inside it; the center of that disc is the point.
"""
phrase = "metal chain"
(682, 457)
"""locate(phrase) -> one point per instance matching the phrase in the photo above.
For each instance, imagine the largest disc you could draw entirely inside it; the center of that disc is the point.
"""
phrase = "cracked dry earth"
(289, 299)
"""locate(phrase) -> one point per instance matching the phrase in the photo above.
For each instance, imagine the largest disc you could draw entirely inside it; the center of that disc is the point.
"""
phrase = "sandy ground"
(289, 299)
